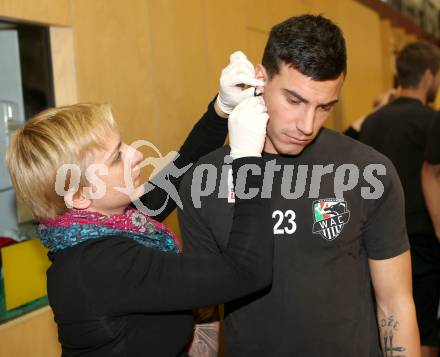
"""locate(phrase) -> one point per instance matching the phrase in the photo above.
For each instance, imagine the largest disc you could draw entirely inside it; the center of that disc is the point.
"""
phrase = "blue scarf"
(74, 227)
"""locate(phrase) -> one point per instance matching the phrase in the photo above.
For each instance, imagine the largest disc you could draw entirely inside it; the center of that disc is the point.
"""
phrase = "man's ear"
(428, 78)
(76, 200)
(260, 73)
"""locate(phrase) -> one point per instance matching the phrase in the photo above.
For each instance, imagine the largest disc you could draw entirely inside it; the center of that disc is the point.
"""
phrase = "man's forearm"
(431, 191)
(399, 333)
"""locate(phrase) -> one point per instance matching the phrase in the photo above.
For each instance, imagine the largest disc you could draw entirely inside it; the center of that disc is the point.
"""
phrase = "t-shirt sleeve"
(384, 232)
(432, 153)
(121, 276)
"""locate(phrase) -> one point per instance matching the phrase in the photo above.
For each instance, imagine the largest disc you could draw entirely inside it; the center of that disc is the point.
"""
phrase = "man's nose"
(305, 124)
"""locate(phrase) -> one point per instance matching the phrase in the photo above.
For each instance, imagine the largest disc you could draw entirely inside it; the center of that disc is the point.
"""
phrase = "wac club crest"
(330, 215)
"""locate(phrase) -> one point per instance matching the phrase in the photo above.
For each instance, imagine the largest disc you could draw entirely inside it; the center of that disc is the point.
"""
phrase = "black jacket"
(115, 297)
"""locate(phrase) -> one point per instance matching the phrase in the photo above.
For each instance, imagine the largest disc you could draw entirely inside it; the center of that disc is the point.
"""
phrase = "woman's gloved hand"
(247, 128)
(234, 82)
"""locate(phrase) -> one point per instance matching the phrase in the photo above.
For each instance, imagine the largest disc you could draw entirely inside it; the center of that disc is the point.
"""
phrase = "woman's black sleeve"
(122, 276)
(207, 134)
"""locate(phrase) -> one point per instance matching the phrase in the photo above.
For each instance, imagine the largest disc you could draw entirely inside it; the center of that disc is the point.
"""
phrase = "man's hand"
(233, 81)
(247, 128)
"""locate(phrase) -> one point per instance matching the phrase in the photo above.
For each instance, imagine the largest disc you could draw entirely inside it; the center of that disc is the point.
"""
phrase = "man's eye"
(293, 101)
(326, 108)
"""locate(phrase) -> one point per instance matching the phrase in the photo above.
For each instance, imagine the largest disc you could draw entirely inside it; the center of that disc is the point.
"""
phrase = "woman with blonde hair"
(116, 286)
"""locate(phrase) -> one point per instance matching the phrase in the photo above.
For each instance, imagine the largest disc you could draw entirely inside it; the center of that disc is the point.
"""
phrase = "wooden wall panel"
(33, 334)
(225, 31)
(178, 56)
(255, 42)
(263, 14)
(50, 12)
(365, 67)
(63, 65)
(388, 55)
(114, 64)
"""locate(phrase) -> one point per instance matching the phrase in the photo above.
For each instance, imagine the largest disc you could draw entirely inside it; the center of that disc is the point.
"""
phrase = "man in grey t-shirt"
(337, 211)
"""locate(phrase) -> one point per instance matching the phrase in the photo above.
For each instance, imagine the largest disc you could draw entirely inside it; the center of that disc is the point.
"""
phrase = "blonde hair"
(52, 138)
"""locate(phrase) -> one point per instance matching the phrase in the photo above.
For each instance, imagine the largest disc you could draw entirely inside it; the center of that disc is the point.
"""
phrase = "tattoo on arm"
(388, 326)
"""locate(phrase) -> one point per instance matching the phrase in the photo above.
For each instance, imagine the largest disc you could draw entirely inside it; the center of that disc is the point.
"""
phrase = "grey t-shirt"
(321, 301)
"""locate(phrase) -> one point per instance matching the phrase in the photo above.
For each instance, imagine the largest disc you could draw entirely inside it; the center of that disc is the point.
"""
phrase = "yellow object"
(24, 272)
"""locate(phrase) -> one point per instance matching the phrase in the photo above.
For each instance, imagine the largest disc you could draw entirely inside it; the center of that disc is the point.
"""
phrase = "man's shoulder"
(364, 157)
(345, 149)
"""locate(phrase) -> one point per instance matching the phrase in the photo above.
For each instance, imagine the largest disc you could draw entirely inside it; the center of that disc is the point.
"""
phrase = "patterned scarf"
(74, 227)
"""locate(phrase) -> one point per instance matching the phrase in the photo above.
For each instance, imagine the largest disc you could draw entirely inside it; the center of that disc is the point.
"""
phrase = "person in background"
(400, 131)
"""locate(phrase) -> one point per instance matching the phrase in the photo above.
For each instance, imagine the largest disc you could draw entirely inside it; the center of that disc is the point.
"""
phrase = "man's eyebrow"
(329, 103)
(296, 95)
(115, 150)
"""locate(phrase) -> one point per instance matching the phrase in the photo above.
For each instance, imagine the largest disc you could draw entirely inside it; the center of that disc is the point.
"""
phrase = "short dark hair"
(311, 44)
(412, 62)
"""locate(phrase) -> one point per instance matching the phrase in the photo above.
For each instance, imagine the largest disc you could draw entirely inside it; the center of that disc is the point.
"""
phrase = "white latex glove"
(238, 73)
(247, 128)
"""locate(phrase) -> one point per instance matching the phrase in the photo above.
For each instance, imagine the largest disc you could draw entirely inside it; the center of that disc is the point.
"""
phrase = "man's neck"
(414, 93)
